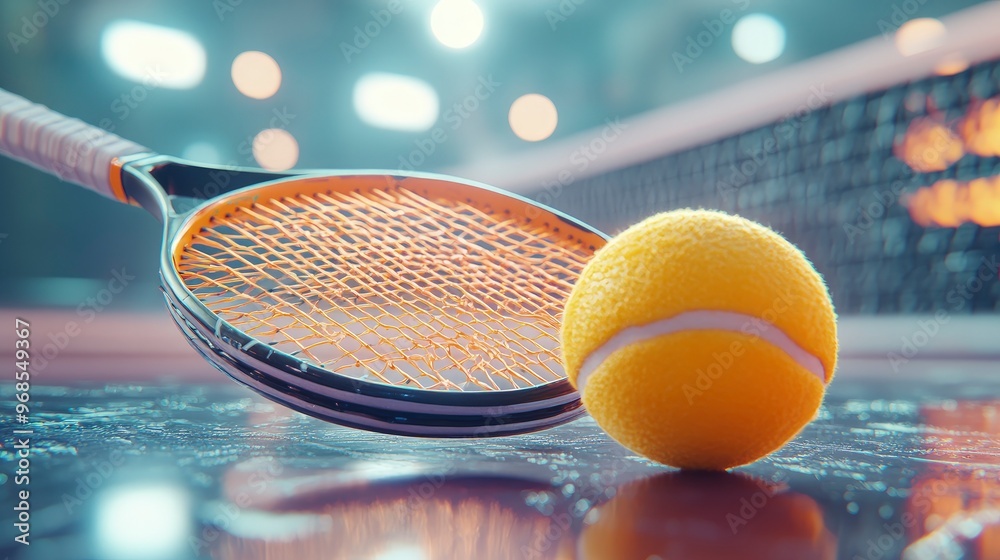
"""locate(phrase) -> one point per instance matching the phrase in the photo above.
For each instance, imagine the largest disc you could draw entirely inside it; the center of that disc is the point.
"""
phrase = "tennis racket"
(411, 304)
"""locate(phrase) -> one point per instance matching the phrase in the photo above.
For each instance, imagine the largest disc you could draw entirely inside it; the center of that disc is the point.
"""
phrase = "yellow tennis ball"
(700, 340)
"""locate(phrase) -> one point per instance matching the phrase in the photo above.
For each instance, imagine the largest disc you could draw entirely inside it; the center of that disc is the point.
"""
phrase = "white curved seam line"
(696, 321)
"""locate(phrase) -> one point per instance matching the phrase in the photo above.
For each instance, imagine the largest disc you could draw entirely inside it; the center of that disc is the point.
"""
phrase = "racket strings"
(391, 286)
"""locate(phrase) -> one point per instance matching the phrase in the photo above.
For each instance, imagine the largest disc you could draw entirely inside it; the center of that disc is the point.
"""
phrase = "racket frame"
(163, 185)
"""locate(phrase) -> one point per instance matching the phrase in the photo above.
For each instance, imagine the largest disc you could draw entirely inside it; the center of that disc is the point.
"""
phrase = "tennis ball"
(700, 340)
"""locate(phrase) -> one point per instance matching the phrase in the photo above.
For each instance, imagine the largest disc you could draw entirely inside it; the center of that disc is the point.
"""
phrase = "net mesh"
(388, 285)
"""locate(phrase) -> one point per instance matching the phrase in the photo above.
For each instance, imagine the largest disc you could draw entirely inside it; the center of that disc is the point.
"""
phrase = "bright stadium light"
(152, 54)
(396, 102)
(758, 38)
(256, 74)
(457, 23)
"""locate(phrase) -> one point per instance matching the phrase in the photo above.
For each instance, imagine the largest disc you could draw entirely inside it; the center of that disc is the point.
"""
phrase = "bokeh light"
(140, 522)
(533, 117)
(929, 145)
(950, 203)
(401, 552)
(919, 35)
(980, 129)
(256, 74)
(153, 55)
(275, 149)
(457, 23)
(396, 102)
(758, 38)
(951, 66)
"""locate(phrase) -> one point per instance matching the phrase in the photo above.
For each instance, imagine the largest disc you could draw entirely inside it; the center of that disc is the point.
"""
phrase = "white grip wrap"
(68, 148)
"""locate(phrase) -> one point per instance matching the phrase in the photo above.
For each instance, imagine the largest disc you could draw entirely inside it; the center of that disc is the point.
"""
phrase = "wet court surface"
(893, 467)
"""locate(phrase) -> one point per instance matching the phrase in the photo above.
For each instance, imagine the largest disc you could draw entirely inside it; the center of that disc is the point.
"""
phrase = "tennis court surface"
(880, 159)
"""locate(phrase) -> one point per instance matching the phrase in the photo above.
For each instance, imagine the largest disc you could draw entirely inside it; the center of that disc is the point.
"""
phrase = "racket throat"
(168, 188)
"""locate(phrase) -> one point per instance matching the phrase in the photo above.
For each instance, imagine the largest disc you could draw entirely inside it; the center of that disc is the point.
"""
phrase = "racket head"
(301, 379)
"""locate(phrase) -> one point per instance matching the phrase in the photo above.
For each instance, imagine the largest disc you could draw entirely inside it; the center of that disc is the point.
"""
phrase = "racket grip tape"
(68, 148)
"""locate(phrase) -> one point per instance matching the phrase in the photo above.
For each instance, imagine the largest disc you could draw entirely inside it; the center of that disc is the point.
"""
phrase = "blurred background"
(469, 87)
(865, 131)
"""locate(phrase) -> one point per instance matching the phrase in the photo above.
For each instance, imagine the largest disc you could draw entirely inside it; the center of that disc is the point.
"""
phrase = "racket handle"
(68, 148)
